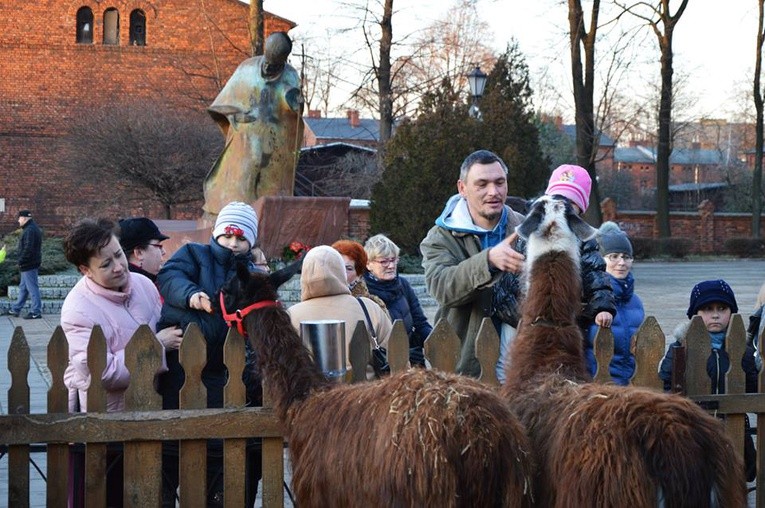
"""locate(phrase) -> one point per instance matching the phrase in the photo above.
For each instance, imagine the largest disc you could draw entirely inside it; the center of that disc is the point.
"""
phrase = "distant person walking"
(30, 258)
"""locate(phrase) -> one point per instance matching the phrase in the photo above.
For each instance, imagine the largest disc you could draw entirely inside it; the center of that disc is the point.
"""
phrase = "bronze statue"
(260, 113)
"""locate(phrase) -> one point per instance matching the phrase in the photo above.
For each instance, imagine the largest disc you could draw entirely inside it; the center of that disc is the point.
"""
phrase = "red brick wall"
(49, 81)
(358, 223)
(708, 231)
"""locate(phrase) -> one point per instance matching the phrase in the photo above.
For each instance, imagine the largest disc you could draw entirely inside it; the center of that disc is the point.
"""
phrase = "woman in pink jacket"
(119, 301)
(111, 296)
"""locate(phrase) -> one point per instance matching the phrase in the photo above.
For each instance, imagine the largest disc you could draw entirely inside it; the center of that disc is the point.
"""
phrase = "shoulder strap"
(372, 331)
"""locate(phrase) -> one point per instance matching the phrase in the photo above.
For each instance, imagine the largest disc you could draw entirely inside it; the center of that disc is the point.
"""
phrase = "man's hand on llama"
(603, 319)
(504, 256)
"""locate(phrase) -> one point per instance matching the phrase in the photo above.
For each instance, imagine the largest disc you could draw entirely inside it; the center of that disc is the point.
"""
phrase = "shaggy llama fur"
(602, 445)
(420, 438)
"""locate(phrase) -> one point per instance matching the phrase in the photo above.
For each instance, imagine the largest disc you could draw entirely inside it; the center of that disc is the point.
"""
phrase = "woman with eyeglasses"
(616, 249)
(383, 281)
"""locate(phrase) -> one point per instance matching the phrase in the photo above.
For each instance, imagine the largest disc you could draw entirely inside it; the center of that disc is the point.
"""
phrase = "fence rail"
(144, 425)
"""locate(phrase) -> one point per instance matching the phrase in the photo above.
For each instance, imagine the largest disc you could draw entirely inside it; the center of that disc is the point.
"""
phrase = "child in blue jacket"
(616, 249)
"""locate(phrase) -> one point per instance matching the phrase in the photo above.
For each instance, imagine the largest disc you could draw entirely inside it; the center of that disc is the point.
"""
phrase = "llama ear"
(242, 273)
(581, 229)
(532, 221)
(279, 277)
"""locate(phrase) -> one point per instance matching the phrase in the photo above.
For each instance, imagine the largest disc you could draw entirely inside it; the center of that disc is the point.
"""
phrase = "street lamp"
(477, 82)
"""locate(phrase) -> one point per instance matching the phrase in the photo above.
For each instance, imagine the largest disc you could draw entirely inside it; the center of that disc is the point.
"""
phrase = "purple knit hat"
(572, 182)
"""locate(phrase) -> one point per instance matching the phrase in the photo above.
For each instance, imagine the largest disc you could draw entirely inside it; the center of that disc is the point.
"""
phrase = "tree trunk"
(256, 27)
(757, 173)
(384, 74)
(586, 149)
(664, 143)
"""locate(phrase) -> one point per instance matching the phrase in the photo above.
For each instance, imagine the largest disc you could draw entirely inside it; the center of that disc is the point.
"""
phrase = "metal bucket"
(325, 338)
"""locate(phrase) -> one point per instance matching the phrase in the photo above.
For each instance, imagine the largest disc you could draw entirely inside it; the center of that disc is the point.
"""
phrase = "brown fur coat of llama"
(602, 445)
(420, 438)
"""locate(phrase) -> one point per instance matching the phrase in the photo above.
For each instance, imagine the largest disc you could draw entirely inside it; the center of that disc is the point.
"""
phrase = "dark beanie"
(711, 291)
(611, 240)
(137, 232)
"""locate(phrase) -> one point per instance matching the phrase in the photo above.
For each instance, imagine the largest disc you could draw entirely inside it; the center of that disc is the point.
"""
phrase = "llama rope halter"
(540, 321)
(237, 317)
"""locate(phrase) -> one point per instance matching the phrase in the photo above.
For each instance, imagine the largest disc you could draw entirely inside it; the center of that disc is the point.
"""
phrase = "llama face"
(553, 225)
(247, 287)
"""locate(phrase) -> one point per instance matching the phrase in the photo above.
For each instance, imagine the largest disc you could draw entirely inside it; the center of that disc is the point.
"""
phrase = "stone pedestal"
(281, 220)
(310, 220)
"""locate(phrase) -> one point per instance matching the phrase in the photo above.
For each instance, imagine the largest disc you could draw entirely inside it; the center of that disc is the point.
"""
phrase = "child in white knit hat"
(187, 282)
(236, 227)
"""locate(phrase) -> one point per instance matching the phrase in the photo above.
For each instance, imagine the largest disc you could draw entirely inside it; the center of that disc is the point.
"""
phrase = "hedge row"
(646, 248)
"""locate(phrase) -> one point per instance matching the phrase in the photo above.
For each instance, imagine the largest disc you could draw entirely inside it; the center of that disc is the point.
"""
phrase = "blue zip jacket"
(193, 268)
(629, 316)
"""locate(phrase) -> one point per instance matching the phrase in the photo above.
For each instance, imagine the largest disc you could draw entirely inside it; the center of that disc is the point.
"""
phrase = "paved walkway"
(663, 286)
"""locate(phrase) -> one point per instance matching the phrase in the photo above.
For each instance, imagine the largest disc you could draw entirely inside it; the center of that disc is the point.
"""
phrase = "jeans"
(506, 337)
(28, 287)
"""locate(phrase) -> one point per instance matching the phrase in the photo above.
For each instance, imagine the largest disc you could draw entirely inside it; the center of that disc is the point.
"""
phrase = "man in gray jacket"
(469, 249)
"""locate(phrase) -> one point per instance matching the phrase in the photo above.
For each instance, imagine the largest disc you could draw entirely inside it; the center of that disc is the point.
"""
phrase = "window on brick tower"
(137, 28)
(111, 26)
(84, 26)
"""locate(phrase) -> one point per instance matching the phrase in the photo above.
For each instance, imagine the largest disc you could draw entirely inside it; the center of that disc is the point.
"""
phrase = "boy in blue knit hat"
(715, 302)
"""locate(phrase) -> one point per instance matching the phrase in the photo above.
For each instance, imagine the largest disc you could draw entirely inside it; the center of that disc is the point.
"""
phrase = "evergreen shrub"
(745, 247)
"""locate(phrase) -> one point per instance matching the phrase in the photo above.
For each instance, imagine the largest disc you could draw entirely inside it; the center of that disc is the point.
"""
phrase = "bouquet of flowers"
(294, 251)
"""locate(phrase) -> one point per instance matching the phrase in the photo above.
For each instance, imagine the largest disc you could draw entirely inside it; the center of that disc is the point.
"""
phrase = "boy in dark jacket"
(187, 283)
(715, 302)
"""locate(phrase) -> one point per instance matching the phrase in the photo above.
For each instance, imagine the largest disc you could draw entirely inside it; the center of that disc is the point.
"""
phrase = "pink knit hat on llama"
(572, 182)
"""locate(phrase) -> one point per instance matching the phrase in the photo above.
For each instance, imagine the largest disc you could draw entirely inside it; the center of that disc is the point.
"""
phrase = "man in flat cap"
(141, 241)
(30, 259)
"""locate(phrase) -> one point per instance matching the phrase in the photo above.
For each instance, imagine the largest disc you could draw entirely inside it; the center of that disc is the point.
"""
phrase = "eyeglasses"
(616, 257)
(157, 245)
(387, 261)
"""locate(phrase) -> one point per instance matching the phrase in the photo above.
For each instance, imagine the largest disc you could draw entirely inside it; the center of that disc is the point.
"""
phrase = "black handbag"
(379, 353)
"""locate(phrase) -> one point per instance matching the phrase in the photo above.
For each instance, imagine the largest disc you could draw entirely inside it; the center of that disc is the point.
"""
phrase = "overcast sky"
(714, 40)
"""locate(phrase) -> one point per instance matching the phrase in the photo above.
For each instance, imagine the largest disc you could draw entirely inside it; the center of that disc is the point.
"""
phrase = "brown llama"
(420, 438)
(601, 445)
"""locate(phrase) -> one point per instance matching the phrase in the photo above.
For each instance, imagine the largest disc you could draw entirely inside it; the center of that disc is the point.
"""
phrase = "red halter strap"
(238, 315)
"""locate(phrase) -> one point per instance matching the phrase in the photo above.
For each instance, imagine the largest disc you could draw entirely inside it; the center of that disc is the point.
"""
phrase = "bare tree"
(657, 15)
(446, 50)
(164, 154)
(383, 73)
(319, 73)
(353, 176)
(584, 90)
(392, 85)
(758, 126)
(256, 27)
